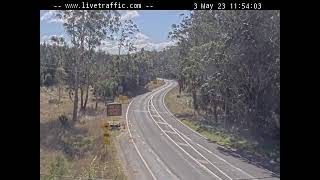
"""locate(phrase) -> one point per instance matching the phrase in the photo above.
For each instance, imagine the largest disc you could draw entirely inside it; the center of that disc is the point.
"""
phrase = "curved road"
(162, 148)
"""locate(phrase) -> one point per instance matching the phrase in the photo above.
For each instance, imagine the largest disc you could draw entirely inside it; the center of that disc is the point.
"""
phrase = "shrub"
(63, 119)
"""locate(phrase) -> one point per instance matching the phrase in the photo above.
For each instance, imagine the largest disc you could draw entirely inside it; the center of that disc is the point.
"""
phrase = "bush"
(63, 120)
(76, 145)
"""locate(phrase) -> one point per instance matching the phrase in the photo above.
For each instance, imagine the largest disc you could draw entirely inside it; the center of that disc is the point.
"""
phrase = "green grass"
(180, 107)
(216, 136)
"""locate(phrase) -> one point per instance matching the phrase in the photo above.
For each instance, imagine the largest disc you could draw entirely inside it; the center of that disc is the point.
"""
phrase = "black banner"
(159, 5)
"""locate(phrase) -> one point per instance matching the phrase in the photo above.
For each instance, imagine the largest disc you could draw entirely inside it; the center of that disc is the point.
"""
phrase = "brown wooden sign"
(114, 109)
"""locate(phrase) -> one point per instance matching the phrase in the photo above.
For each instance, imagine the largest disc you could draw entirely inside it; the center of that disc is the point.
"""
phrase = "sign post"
(106, 134)
(123, 99)
(114, 109)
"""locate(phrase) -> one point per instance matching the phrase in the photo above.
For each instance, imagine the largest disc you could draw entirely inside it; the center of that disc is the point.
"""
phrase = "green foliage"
(230, 61)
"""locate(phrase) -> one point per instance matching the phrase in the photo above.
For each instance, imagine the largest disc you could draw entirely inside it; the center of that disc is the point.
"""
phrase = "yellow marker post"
(106, 133)
(123, 99)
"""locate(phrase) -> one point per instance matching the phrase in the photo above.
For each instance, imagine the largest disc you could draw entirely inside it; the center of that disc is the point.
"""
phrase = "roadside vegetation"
(74, 150)
(180, 104)
(227, 64)
(76, 80)
(154, 84)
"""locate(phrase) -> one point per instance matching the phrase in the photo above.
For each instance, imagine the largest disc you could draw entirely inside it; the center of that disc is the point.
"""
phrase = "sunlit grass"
(151, 86)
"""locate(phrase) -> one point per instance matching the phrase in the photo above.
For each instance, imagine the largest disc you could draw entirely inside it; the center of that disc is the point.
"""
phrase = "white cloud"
(111, 47)
(142, 41)
(127, 14)
(46, 38)
(155, 46)
(140, 35)
(50, 17)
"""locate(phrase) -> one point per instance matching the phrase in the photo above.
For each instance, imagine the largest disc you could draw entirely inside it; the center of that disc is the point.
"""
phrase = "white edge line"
(136, 148)
(204, 148)
(183, 134)
(171, 132)
(160, 122)
(201, 165)
(193, 147)
(226, 162)
(145, 163)
(177, 118)
(206, 138)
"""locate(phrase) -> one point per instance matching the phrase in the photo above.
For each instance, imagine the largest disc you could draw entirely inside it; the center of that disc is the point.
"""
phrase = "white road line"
(183, 135)
(145, 163)
(201, 165)
(171, 132)
(192, 146)
(139, 111)
(182, 144)
(227, 162)
(160, 122)
(202, 161)
(161, 162)
(204, 148)
(177, 118)
(205, 138)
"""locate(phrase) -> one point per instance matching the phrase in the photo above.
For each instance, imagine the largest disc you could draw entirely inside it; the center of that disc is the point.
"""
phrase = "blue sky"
(154, 27)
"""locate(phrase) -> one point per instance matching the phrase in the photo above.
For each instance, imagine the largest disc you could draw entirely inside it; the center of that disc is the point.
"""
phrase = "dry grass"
(78, 144)
(179, 104)
(151, 86)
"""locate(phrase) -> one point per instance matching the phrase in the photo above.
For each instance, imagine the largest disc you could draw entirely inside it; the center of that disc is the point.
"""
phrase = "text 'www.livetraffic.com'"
(111, 5)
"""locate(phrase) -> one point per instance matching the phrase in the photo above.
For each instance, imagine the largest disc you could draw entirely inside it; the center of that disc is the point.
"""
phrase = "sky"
(154, 26)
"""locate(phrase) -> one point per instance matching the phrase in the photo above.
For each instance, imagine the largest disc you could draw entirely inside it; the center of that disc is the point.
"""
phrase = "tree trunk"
(215, 111)
(180, 86)
(86, 99)
(59, 93)
(194, 98)
(96, 105)
(81, 98)
(225, 114)
(75, 106)
(76, 87)
(70, 95)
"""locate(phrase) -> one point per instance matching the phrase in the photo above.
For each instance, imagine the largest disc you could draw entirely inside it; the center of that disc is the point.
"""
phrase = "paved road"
(165, 149)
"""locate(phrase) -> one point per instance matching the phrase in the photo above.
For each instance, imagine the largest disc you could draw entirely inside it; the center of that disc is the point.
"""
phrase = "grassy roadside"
(180, 105)
(151, 86)
(76, 151)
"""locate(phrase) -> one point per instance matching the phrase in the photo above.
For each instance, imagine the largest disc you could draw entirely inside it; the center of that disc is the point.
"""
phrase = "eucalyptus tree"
(124, 35)
(59, 47)
(86, 30)
(232, 60)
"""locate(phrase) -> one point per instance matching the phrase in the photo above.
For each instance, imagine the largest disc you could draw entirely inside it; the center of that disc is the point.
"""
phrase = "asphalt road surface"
(162, 148)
